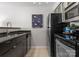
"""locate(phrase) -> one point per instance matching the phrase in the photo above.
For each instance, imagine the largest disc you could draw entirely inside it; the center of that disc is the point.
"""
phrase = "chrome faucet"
(9, 23)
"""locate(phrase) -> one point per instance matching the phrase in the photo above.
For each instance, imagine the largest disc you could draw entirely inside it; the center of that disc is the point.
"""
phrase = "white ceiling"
(27, 3)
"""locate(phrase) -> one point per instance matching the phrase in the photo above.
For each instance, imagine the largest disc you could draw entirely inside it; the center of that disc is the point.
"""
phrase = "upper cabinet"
(58, 8)
(69, 10)
(69, 4)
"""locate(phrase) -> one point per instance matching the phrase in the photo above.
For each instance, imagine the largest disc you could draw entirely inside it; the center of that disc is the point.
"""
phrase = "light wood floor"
(38, 52)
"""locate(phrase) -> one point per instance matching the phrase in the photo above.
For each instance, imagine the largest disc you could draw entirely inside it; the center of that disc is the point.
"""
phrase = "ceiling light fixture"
(46, 2)
(34, 2)
(39, 3)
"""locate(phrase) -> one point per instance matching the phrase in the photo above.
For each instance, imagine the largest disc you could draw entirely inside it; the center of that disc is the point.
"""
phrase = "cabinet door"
(29, 42)
(19, 47)
(5, 46)
(2, 30)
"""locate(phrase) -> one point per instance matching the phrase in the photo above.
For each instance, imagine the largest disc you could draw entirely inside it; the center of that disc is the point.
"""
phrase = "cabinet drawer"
(3, 30)
(4, 47)
(19, 47)
(18, 51)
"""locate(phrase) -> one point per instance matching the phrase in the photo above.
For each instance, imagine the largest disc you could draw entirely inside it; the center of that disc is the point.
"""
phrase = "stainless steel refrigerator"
(55, 47)
(53, 20)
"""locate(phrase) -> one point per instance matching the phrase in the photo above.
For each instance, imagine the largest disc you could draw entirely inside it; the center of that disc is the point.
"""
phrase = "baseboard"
(39, 46)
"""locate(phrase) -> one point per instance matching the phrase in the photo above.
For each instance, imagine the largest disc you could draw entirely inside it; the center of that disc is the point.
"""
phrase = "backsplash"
(76, 24)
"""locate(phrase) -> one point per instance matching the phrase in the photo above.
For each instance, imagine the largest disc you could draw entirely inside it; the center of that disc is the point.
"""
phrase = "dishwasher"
(63, 50)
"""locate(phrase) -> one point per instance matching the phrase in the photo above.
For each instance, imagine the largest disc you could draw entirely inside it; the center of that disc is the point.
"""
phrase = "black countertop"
(10, 28)
(13, 34)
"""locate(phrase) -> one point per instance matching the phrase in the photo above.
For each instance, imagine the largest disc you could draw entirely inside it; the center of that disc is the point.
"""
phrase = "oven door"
(63, 50)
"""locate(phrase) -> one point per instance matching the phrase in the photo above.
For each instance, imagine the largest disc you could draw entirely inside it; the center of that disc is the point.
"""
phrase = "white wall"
(40, 34)
(20, 16)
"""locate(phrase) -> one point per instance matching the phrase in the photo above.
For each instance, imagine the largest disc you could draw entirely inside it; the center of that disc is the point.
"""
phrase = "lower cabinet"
(29, 42)
(18, 48)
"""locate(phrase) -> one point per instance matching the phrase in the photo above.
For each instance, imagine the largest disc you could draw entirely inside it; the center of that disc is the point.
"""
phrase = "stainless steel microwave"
(72, 12)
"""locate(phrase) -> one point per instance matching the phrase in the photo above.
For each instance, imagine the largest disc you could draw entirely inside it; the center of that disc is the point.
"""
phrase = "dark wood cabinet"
(16, 47)
(29, 42)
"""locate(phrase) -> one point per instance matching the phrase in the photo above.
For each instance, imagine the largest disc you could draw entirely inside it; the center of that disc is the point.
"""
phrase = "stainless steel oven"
(63, 50)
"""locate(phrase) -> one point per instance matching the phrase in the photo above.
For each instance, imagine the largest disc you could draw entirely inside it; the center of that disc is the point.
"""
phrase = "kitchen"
(22, 34)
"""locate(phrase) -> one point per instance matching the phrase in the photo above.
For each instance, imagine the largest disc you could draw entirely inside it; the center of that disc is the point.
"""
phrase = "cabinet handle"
(14, 46)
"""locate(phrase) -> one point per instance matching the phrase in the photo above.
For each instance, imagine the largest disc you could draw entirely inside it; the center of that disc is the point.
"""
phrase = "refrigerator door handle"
(49, 27)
